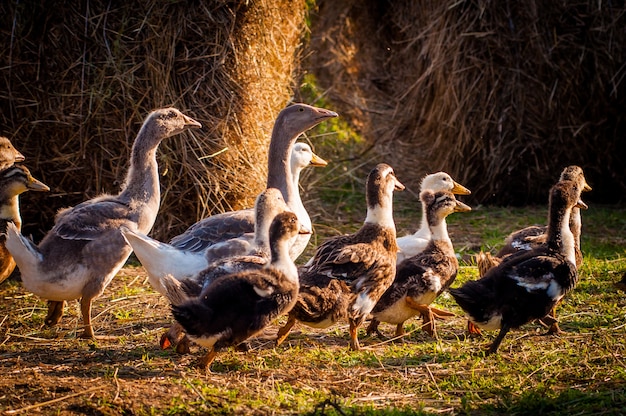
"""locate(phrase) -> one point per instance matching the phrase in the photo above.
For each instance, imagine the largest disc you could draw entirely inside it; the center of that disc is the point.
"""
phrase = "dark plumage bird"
(527, 285)
(8, 154)
(79, 257)
(348, 274)
(423, 277)
(239, 305)
(535, 236)
(14, 181)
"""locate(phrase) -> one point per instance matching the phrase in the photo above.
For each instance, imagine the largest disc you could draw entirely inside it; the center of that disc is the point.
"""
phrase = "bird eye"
(301, 109)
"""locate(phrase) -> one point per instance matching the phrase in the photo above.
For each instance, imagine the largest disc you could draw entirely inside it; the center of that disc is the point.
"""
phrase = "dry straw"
(78, 78)
(501, 94)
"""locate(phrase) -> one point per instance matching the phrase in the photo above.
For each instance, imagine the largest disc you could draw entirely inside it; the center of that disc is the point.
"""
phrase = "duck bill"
(318, 161)
(35, 185)
(324, 114)
(459, 189)
(398, 186)
(461, 207)
(580, 204)
(19, 157)
(586, 187)
(190, 123)
(304, 231)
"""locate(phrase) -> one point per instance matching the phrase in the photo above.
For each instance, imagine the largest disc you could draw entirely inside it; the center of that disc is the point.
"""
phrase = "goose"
(423, 277)
(535, 236)
(14, 181)
(84, 250)
(290, 123)
(413, 244)
(237, 306)
(161, 259)
(349, 273)
(527, 285)
(8, 154)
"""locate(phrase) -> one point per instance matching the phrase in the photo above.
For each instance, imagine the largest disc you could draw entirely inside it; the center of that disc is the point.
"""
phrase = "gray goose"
(14, 181)
(239, 305)
(84, 250)
(8, 154)
(348, 273)
(527, 285)
(423, 277)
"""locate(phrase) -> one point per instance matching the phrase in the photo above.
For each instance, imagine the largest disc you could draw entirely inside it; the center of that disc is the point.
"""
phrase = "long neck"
(381, 215)
(424, 230)
(439, 231)
(10, 211)
(559, 235)
(142, 179)
(262, 235)
(278, 167)
(296, 204)
(575, 225)
(281, 260)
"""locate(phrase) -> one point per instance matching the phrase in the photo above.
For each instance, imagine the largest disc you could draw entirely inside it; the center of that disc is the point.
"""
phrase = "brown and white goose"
(14, 181)
(291, 122)
(423, 277)
(8, 154)
(348, 273)
(239, 305)
(528, 284)
(161, 259)
(413, 244)
(79, 257)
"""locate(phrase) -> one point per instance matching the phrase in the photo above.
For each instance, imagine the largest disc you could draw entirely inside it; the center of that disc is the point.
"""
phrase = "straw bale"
(78, 78)
(502, 95)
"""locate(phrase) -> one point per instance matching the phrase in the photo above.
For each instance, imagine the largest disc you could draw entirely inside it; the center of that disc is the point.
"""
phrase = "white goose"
(414, 244)
(79, 257)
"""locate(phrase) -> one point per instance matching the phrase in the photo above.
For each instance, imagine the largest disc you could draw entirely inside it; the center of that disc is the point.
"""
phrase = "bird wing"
(88, 220)
(214, 229)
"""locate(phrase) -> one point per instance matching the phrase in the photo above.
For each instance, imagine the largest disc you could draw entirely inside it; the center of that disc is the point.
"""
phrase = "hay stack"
(79, 77)
(500, 94)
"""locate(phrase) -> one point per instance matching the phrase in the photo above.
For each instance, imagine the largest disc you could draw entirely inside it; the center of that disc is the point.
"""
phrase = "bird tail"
(485, 261)
(174, 291)
(25, 253)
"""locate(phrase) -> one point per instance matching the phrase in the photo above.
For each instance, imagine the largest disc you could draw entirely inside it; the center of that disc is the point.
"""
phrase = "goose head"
(302, 156)
(17, 180)
(576, 174)
(8, 153)
(441, 181)
(440, 204)
(283, 229)
(167, 122)
(298, 118)
(380, 185)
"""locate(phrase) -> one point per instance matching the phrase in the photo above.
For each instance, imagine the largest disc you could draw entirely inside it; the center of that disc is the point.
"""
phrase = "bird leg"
(440, 313)
(55, 312)
(427, 316)
(85, 308)
(493, 347)
(284, 331)
(354, 335)
(551, 322)
(473, 329)
(206, 360)
(373, 328)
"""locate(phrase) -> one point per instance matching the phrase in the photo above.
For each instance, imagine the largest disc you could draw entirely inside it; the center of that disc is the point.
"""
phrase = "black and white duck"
(14, 181)
(161, 259)
(527, 285)
(423, 277)
(237, 306)
(8, 154)
(79, 257)
(348, 273)
(413, 244)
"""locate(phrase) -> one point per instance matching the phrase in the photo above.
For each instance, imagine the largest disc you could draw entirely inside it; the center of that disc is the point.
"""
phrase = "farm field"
(124, 372)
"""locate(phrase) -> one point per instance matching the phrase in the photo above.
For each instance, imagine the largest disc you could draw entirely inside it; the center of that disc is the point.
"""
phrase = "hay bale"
(501, 95)
(78, 78)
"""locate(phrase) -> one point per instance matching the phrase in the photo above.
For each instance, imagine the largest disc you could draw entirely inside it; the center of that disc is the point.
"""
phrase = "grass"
(313, 372)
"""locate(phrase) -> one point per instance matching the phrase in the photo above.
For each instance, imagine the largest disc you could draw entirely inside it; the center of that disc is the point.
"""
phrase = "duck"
(290, 123)
(239, 305)
(8, 154)
(14, 181)
(527, 285)
(413, 244)
(423, 277)
(84, 250)
(535, 236)
(160, 259)
(347, 274)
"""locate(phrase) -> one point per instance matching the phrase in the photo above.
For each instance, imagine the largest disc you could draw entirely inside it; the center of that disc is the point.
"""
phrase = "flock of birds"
(229, 276)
